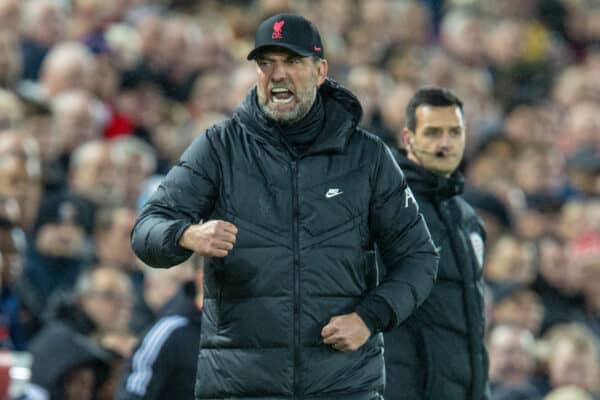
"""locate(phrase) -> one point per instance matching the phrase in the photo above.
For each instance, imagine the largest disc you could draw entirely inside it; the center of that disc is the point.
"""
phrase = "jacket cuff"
(183, 225)
(179, 252)
(376, 313)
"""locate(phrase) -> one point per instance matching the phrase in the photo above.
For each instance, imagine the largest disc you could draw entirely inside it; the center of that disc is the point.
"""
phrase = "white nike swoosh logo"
(332, 193)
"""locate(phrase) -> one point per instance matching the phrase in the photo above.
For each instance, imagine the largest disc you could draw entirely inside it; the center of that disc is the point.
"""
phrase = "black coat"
(164, 363)
(306, 229)
(439, 352)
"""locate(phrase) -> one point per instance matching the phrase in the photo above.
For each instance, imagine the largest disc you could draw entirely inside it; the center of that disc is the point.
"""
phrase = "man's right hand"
(212, 239)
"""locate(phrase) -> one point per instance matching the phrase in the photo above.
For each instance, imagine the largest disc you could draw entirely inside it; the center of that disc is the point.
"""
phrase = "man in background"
(439, 353)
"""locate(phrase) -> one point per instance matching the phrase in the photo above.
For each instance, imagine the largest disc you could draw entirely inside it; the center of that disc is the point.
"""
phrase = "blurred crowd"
(98, 98)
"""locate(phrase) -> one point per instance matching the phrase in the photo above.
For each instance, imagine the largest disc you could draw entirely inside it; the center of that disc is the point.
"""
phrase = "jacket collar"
(426, 183)
(342, 115)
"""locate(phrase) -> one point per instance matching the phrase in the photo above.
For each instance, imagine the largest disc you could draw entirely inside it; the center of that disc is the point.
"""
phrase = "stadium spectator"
(159, 286)
(94, 174)
(13, 316)
(67, 365)
(369, 83)
(558, 283)
(583, 170)
(494, 213)
(136, 162)
(511, 260)
(460, 34)
(26, 189)
(164, 363)
(84, 337)
(586, 258)
(13, 183)
(44, 25)
(111, 236)
(138, 108)
(102, 302)
(206, 106)
(40, 128)
(68, 66)
(59, 248)
(517, 305)
(571, 359)
(512, 358)
(77, 119)
(395, 98)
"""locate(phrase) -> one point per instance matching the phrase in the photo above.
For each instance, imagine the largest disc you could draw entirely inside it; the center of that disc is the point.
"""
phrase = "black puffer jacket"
(439, 352)
(306, 230)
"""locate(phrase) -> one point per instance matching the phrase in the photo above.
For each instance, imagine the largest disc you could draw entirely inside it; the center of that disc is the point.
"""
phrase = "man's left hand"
(346, 332)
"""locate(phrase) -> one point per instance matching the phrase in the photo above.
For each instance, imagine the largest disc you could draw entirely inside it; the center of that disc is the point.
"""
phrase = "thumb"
(328, 329)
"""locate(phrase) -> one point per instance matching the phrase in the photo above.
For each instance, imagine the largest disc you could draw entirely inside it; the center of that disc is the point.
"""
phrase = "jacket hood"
(426, 183)
(58, 350)
(343, 113)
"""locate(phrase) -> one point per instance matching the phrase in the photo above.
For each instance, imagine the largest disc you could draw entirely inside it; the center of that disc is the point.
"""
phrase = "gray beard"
(294, 116)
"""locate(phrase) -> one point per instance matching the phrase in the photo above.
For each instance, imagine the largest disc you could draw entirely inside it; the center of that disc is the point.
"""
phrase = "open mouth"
(281, 95)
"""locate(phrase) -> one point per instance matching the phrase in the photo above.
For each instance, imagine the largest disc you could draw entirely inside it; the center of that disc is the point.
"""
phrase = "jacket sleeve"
(186, 196)
(405, 246)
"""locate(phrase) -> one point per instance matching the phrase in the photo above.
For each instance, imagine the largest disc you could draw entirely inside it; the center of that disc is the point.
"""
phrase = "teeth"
(277, 90)
(276, 100)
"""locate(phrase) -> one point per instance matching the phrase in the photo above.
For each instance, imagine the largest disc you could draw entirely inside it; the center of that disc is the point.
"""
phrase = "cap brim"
(257, 50)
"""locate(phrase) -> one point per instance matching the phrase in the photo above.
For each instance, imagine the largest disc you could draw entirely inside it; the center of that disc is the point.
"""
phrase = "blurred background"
(98, 98)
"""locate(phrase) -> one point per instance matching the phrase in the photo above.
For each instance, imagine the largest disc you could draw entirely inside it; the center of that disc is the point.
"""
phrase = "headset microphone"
(417, 151)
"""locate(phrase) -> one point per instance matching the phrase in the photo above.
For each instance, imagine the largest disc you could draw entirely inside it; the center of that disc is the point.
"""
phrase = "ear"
(322, 69)
(406, 138)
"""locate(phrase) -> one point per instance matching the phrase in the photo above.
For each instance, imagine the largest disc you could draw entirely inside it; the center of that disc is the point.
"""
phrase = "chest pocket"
(259, 198)
(336, 205)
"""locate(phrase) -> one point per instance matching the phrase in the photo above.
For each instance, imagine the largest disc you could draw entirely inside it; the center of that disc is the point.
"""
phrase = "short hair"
(126, 147)
(87, 281)
(430, 96)
(86, 150)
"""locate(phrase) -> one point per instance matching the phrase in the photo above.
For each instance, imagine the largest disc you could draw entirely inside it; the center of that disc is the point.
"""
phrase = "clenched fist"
(346, 332)
(212, 239)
